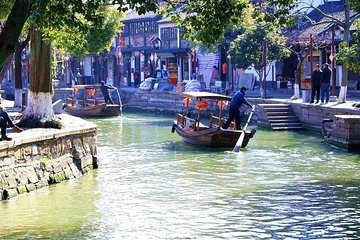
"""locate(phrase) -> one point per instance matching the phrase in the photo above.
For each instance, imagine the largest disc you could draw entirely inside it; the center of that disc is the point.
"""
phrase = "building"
(151, 42)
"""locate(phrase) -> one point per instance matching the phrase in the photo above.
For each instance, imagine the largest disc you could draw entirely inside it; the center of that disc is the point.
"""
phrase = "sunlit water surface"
(151, 185)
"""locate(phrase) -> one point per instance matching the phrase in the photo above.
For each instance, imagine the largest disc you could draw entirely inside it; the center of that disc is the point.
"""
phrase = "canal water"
(151, 185)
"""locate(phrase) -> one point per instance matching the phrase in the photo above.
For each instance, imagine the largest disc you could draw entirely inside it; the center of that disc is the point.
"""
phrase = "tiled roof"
(304, 28)
(133, 15)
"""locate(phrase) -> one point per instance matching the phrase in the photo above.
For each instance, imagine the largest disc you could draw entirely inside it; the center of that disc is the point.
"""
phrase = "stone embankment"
(36, 158)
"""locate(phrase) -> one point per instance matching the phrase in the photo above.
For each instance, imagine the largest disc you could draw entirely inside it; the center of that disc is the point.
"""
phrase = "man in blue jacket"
(237, 101)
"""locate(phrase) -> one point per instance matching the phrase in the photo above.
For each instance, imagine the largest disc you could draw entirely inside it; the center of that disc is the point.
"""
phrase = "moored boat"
(195, 132)
(89, 105)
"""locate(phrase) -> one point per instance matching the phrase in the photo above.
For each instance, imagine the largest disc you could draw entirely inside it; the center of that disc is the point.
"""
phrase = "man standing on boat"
(105, 92)
(237, 101)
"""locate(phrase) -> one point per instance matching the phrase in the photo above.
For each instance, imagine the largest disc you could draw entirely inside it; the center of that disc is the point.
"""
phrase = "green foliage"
(5, 6)
(51, 122)
(247, 48)
(92, 37)
(350, 55)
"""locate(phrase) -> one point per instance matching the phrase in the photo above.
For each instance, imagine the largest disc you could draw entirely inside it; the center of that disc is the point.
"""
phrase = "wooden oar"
(120, 103)
(242, 135)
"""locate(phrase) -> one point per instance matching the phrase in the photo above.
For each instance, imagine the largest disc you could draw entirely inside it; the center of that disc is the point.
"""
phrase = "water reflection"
(151, 185)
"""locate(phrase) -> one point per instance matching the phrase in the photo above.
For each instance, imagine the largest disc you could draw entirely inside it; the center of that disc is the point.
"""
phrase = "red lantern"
(202, 106)
(91, 91)
(222, 104)
(187, 101)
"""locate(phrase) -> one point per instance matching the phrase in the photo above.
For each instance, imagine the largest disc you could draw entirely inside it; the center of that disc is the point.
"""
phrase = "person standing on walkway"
(316, 77)
(237, 101)
(325, 83)
(214, 75)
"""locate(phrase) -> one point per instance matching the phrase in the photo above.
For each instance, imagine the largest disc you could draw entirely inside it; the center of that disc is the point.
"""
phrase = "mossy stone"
(21, 189)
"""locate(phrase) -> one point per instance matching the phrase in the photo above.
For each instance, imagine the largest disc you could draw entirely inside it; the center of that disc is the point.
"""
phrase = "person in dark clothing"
(325, 83)
(316, 77)
(237, 101)
(6, 122)
(105, 92)
(136, 77)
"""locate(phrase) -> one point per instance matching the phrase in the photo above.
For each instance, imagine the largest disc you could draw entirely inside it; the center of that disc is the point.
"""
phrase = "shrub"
(52, 122)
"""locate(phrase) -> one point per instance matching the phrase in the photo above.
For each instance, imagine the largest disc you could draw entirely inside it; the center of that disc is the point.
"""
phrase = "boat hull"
(212, 137)
(101, 110)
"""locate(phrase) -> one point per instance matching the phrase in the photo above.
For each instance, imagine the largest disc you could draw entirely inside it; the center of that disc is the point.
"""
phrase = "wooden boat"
(195, 132)
(89, 105)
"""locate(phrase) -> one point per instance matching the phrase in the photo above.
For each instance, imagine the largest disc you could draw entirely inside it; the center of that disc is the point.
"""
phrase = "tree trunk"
(4, 68)
(297, 77)
(12, 29)
(18, 72)
(39, 103)
(345, 72)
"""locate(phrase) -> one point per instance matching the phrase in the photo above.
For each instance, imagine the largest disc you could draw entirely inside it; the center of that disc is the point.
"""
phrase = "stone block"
(41, 184)
(65, 145)
(22, 178)
(7, 161)
(75, 170)
(68, 173)
(11, 181)
(9, 193)
(45, 150)
(30, 187)
(57, 178)
(4, 153)
(32, 176)
(57, 167)
(77, 150)
(27, 150)
(21, 189)
(86, 161)
(35, 149)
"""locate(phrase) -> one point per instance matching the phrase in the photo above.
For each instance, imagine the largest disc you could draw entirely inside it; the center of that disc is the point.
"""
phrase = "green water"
(151, 185)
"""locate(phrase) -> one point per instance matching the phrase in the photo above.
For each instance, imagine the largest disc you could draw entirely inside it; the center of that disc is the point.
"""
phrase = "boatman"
(237, 101)
(105, 92)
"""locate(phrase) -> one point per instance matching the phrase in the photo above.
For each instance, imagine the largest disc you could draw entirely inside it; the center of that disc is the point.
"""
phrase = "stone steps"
(281, 117)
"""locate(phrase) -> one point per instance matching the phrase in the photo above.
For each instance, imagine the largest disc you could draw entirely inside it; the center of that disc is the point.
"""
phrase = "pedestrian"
(316, 77)
(136, 77)
(158, 73)
(214, 75)
(235, 104)
(6, 122)
(105, 92)
(325, 83)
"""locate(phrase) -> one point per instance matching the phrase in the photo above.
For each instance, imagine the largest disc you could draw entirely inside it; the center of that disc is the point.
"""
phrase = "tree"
(248, 49)
(344, 21)
(206, 21)
(76, 26)
(18, 71)
(351, 54)
(93, 36)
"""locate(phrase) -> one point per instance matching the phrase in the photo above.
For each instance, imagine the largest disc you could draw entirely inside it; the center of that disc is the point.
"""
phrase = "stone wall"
(37, 160)
(345, 132)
